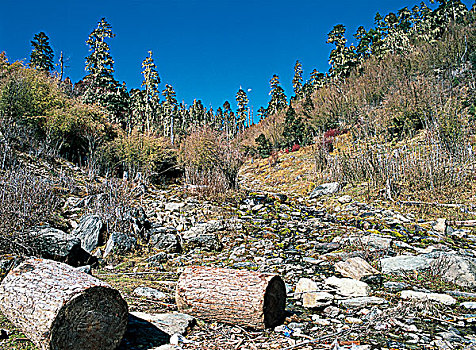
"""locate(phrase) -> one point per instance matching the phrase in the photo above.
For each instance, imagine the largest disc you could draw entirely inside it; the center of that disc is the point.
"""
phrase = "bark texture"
(246, 298)
(59, 307)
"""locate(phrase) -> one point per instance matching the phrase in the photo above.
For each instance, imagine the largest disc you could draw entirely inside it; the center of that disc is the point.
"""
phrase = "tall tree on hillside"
(297, 80)
(341, 58)
(294, 128)
(242, 102)
(226, 118)
(100, 85)
(262, 113)
(278, 98)
(151, 83)
(41, 56)
(170, 108)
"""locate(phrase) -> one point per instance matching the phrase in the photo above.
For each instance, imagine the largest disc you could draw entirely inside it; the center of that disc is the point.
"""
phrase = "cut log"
(59, 307)
(241, 297)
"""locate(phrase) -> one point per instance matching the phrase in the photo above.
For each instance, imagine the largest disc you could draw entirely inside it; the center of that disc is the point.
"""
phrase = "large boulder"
(404, 263)
(120, 242)
(456, 269)
(348, 287)
(204, 236)
(355, 268)
(89, 232)
(165, 238)
(325, 189)
(54, 244)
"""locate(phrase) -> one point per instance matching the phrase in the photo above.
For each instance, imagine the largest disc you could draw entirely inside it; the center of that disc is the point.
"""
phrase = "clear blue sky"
(206, 49)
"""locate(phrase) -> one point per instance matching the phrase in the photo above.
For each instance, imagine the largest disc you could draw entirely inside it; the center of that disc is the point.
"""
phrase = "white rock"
(348, 287)
(469, 305)
(345, 199)
(362, 301)
(311, 297)
(149, 293)
(440, 225)
(355, 268)
(440, 298)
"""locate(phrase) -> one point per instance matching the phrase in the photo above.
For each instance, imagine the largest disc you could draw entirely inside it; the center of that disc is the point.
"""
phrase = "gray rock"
(174, 207)
(348, 287)
(456, 269)
(165, 238)
(170, 323)
(395, 287)
(355, 268)
(325, 189)
(89, 232)
(119, 242)
(440, 298)
(362, 302)
(85, 269)
(54, 244)
(149, 293)
(203, 236)
(403, 263)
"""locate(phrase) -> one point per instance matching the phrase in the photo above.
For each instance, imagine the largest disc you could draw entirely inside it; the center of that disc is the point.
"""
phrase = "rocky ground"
(358, 275)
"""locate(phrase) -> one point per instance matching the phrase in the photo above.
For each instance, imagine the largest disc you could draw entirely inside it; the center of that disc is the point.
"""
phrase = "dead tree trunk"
(240, 297)
(59, 307)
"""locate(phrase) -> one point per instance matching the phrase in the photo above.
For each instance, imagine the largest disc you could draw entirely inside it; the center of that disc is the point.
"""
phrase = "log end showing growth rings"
(95, 319)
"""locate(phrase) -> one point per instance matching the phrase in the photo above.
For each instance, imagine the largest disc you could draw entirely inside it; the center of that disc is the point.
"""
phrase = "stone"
(404, 263)
(455, 269)
(395, 287)
(57, 245)
(170, 323)
(174, 207)
(353, 320)
(469, 305)
(119, 242)
(348, 287)
(439, 226)
(344, 199)
(89, 232)
(149, 293)
(165, 238)
(203, 236)
(362, 302)
(355, 268)
(325, 189)
(440, 298)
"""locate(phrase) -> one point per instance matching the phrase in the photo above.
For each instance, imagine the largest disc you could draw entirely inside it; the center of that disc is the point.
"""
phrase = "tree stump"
(246, 298)
(59, 307)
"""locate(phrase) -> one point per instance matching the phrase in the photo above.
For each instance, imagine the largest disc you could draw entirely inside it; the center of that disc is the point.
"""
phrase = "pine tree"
(151, 83)
(242, 102)
(341, 58)
(278, 98)
(100, 86)
(297, 80)
(262, 113)
(41, 56)
(294, 128)
(170, 108)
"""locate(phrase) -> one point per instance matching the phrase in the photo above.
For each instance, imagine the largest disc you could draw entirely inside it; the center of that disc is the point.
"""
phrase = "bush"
(211, 160)
(137, 155)
(26, 201)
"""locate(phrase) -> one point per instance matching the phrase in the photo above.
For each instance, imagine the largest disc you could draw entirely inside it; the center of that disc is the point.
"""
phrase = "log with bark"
(59, 307)
(241, 297)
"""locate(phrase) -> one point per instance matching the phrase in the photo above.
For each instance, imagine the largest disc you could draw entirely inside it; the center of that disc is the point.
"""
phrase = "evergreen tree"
(294, 129)
(297, 80)
(262, 113)
(278, 98)
(242, 102)
(341, 58)
(41, 56)
(170, 108)
(100, 85)
(151, 83)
